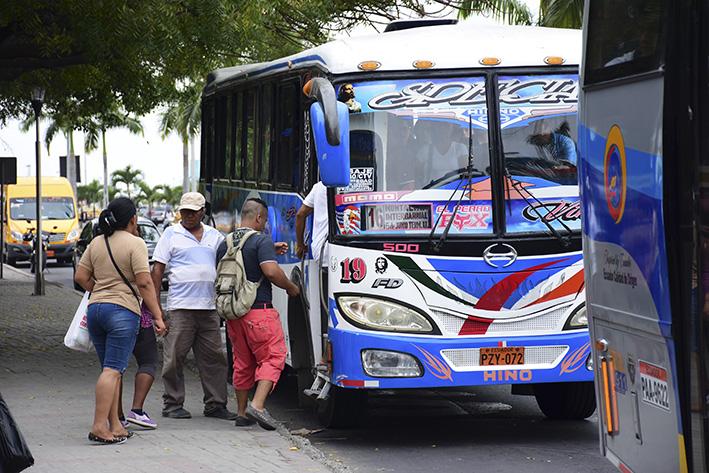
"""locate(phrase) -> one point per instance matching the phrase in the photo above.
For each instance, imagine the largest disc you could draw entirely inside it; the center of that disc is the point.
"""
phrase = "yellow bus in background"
(59, 218)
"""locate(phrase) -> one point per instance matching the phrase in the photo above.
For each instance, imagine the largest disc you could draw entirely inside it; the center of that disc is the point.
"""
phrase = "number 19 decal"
(353, 270)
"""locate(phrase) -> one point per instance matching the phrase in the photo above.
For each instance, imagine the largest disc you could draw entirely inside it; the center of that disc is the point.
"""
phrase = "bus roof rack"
(398, 25)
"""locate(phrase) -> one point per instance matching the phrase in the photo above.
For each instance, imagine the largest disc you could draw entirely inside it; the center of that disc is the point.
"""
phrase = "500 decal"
(353, 270)
(551, 211)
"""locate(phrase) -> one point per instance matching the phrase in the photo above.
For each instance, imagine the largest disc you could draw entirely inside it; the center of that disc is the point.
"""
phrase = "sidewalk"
(50, 391)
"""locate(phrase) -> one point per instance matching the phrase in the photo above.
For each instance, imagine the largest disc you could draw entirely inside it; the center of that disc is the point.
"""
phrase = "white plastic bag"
(77, 337)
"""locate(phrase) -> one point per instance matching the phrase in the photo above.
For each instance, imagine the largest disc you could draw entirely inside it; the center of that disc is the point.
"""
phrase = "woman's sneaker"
(142, 420)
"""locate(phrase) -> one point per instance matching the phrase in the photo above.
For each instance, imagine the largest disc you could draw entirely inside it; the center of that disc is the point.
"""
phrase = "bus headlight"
(578, 319)
(390, 364)
(379, 314)
(17, 236)
(73, 235)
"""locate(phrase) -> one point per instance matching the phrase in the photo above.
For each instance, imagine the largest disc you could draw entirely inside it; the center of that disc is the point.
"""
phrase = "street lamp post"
(37, 102)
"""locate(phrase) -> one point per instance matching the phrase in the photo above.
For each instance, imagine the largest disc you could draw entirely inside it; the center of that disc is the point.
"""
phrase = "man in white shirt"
(315, 203)
(190, 248)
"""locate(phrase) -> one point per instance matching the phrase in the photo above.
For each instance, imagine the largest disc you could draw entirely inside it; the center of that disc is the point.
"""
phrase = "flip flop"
(116, 440)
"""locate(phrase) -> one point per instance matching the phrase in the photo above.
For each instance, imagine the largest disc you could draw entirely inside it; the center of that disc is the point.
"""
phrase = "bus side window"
(287, 135)
(250, 122)
(236, 135)
(219, 156)
(206, 164)
(266, 126)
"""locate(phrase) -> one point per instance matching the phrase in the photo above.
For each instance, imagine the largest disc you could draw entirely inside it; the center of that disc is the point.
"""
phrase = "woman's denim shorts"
(113, 330)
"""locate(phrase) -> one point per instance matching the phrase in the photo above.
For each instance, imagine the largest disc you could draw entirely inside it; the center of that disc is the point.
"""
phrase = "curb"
(7, 267)
(314, 453)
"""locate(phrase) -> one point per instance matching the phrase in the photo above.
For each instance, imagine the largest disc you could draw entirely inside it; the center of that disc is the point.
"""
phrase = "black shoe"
(243, 421)
(220, 412)
(263, 418)
(179, 413)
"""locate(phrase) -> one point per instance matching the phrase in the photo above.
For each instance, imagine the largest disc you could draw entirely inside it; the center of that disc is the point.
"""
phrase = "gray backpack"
(235, 293)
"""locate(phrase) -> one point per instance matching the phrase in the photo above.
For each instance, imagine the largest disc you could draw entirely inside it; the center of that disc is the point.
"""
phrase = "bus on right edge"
(644, 179)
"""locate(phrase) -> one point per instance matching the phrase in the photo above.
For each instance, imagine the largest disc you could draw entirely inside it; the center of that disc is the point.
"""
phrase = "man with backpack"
(246, 268)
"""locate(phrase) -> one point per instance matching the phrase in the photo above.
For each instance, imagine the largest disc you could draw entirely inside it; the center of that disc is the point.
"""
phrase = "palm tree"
(170, 195)
(149, 195)
(59, 123)
(113, 118)
(183, 117)
(552, 13)
(90, 193)
(127, 176)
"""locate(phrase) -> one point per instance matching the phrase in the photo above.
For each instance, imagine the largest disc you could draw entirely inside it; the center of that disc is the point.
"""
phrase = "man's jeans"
(197, 330)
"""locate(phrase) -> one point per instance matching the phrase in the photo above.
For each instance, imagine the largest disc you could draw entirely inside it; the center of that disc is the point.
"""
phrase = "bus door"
(638, 179)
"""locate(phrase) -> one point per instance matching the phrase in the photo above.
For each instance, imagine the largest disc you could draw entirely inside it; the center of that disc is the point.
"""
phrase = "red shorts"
(259, 347)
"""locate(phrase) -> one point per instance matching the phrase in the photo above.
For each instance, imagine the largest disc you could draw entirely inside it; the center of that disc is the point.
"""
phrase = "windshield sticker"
(467, 216)
(450, 99)
(550, 211)
(527, 98)
(361, 180)
(348, 220)
(384, 217)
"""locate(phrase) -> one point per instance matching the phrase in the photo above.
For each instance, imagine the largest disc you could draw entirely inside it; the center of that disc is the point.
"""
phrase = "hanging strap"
(123, 276)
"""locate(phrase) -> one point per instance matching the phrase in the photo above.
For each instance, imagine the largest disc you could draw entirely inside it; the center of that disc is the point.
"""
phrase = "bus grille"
(462, 359)
(551, 321)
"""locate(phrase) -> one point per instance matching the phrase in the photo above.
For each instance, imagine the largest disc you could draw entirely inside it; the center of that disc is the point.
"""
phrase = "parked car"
(159, 214)
(149, 232)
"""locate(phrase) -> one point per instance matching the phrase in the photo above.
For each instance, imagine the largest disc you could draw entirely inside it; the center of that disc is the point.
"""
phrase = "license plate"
(653, 383)
(494, 356)
(50, 252)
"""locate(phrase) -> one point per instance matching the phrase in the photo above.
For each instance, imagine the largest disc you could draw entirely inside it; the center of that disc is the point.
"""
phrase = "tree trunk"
(105, 169)
(191, 165)
(70, 163)
(185, 165)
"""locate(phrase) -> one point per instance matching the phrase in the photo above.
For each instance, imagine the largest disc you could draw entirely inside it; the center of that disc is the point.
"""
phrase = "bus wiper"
(469, 173)
(565, 240)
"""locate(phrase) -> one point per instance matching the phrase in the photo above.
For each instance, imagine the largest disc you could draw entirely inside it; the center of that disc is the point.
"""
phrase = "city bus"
(645, 202)
(454, 250)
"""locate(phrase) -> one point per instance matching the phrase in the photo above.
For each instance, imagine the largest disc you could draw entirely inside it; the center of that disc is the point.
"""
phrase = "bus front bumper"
(447, 362)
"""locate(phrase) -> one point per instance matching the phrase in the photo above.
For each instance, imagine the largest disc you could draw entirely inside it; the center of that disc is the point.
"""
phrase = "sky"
(160, 160)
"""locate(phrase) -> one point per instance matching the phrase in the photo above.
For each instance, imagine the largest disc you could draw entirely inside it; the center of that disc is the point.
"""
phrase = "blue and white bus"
(645, 196)
(454, 253)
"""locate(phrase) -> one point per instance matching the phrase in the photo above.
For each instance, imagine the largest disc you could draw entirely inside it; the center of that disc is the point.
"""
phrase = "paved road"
(483, 429)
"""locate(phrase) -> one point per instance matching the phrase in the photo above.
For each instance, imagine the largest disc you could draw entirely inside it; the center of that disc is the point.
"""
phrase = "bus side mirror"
(330, 122)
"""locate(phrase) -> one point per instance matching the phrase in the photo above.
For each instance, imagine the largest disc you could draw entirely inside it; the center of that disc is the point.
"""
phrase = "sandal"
(116, 440)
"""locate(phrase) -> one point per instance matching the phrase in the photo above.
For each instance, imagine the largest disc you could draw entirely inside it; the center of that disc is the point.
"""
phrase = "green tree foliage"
(148, 194)
(91, 193)
(129, 178)
(170, 195)
(133, 52)
(552, 13)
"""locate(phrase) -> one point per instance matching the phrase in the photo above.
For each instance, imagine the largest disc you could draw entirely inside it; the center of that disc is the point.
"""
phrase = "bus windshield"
(420, 147)
(53, 208)
(411, 144)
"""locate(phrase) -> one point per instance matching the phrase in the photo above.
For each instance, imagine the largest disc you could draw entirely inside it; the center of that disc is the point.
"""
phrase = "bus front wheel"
(343, 408)
(568, 401)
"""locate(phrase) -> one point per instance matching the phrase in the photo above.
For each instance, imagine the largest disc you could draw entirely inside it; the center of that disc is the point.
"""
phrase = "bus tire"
(566, 401)
(343, 408)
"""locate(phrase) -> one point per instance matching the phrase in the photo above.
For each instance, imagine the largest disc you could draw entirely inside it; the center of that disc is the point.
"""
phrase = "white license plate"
(653, 382)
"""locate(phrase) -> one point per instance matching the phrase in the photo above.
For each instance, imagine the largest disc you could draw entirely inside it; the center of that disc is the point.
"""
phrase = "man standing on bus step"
(257, 338)
(189, 248)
